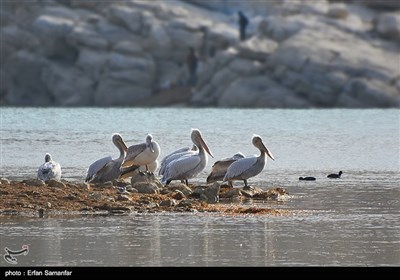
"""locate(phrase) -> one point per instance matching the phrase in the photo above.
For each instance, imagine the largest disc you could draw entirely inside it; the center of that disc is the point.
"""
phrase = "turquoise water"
(353, 221)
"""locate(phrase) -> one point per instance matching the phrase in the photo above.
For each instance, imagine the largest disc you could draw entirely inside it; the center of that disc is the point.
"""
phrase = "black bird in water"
(307, 178)
(334, 175)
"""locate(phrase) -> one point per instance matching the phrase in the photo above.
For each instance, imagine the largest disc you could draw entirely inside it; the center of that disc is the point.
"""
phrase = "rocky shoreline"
(298, 54)
(34, 197)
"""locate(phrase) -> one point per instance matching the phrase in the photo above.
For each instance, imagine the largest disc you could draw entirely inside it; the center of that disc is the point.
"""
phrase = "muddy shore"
(36, 198)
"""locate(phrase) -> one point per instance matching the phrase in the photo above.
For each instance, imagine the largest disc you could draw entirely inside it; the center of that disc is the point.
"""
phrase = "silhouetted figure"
(335, 176)
(243, 22)
(307, 178)
(191, 62)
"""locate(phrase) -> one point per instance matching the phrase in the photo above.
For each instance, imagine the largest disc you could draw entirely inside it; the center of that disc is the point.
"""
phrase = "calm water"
(351, 221)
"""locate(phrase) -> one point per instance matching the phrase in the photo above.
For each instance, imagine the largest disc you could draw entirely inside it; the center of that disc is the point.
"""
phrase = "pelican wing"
(96, 166)
(133, 152)
(220, 167)
(238, 167)
(180, 166)
(172, 157)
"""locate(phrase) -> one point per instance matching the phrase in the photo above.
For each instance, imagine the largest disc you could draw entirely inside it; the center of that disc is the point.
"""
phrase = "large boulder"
(27, 87)
(68, 85)
(388, 26)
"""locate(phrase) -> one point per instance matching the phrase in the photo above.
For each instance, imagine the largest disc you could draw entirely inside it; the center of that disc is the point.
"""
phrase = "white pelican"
(131, 170)
(174, 155)
(188, 166)
(248, 167)
(152, 166)
(220, 167)
(49, 169)
(143, 153)
(107, 169)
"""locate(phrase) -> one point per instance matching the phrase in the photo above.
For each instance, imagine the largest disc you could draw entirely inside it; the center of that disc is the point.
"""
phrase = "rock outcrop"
(298, 54)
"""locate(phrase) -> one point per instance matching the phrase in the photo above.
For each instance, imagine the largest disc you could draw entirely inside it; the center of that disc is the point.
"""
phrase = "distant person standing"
(192, 63)
(243, 22)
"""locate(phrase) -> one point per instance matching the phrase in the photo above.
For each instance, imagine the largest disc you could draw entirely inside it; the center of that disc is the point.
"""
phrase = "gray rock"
(123, 197)
(131, 189)
(388, 26)
(149, 188)
(187, 203)
(95, 196)
(53, 26)
(107, 184)
(34, 182)
(252, 191)
(232, 193)
(92, 62)
(83, 35)
(130, 17)
(82, 185)
(208, 194)
(182, 188)
(338, 11)
(123, 184)
(26, 86)
(168, 203)
(257, 48)
(68, 85)
(114, 92)
(55, 184)
(128, 48)
(142, 177)
(178, 195)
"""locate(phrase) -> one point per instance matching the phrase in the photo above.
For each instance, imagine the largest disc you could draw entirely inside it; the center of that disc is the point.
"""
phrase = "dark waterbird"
(335, 176)
(307, 178)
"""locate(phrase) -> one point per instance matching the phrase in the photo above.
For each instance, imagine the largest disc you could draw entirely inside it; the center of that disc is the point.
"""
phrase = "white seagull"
(248, 167)
(49, 169)
(107, 169)
(188, 166)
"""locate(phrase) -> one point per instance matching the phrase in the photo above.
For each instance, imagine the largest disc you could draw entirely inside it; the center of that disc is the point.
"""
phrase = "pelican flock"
(107, 169)
(49, 169)
(189, 165)
(182, 164)
(245, 168)
(142, 154)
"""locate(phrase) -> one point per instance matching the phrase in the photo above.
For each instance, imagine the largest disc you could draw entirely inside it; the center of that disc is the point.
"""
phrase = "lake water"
(352, 221)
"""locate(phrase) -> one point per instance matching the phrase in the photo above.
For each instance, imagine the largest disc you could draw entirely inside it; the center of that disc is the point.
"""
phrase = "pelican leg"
(147, 168)
(246, 186)
(186, 182)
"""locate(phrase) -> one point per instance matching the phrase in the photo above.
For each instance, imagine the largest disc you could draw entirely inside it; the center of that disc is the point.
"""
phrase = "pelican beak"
(204, 145)
(268, 152)
(124, 146)
(151, 147)
(270, 155)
